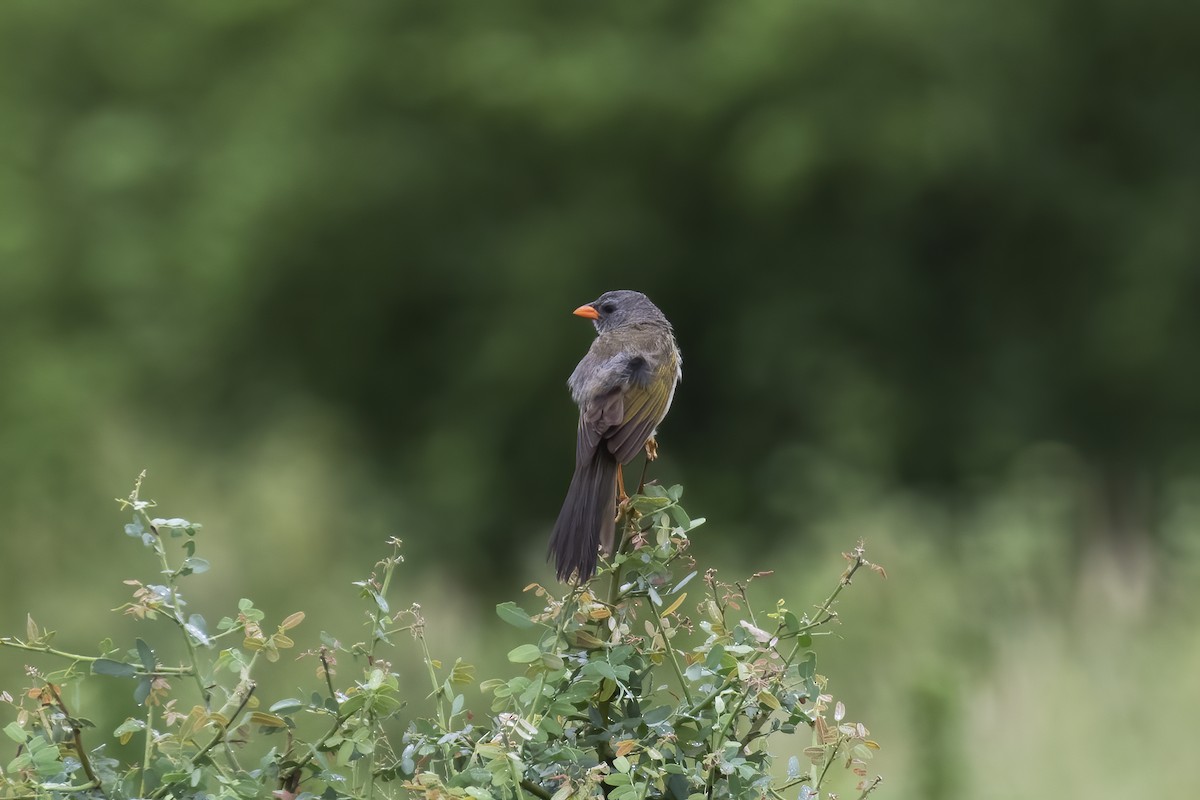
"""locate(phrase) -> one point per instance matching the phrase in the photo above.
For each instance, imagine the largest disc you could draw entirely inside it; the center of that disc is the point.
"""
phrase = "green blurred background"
(933, 268)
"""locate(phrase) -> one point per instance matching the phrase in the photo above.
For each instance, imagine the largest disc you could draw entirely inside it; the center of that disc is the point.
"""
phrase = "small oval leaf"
(524, 654)
(118, 669)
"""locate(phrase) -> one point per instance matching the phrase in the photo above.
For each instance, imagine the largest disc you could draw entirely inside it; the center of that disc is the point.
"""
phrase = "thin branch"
(687, 693)
(76, 736)
(534, 789)
(8, 641)
(878, 780)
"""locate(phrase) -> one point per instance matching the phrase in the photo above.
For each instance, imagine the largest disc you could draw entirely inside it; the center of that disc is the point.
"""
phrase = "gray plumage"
(623, 387)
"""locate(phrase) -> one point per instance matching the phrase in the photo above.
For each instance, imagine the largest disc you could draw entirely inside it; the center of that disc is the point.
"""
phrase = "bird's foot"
(651, 449)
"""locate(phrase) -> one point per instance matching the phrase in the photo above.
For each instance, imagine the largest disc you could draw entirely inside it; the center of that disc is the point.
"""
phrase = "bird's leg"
(622, 497)
(651, 455)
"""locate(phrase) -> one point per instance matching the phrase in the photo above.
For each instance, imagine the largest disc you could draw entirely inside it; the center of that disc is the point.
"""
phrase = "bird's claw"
(651, 449)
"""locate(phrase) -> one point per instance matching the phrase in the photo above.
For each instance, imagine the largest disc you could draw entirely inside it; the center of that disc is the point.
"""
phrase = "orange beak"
(588, 311)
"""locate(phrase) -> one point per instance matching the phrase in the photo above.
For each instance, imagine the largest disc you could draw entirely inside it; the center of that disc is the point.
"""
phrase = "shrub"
(624, 690)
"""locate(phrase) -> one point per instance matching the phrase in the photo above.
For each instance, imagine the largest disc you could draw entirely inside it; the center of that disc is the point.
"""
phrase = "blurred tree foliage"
(911, 237)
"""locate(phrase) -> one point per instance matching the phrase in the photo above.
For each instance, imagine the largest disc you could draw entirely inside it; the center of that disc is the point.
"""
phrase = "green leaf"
(649, 505)
(267, 720)
(684, 582)
(514, 615)
(601, 668)
(15, 732)
(345, 751)
(196, 564)
(129, 727)
(118, 669)
(525, 654)
(808, 667)
(289, 705)
(143, 690)
(656, 715)
(380, 601)
(715, 655)
(680, 516)
(198, 628)
(146, 655)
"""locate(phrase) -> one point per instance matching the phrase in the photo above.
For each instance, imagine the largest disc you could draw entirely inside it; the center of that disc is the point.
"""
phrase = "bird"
(624, 387)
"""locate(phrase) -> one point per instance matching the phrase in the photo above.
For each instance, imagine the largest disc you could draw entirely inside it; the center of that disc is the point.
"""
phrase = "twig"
(315, 747)
(687, 694)
(878, 780)
(328, 678)
(841, 740)
(76, 735)
(148, 751)
(176, 614)
(8, 641)
(534, 789)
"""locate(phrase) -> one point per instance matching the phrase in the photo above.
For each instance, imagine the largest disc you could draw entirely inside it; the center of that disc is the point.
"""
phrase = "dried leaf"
(626, 746)
(758, 633)
(671, 608)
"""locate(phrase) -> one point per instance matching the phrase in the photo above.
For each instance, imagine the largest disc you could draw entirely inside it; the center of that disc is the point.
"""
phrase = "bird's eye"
(608, 308)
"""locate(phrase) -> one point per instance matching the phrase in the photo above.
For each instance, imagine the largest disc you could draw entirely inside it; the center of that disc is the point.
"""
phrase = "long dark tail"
(587, 517)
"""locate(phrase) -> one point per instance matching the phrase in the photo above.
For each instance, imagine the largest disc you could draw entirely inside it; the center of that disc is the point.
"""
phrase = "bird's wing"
(645, 405)
(632, 400)
(596, 417)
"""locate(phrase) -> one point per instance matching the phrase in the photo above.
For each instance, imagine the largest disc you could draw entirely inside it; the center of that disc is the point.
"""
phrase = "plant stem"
(857, 562)
(534, 789)
(829, 762)
(176, 614)
(371, 775)
(57, 788)
(708, 698)
(6, 641)
(687, 694)
(878, 780)
(433, 681)
(84, 761)
(148, 753)
(329, 678)
(315, 747)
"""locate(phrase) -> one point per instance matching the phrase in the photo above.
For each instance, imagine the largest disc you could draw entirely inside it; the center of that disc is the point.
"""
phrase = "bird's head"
(619, 308)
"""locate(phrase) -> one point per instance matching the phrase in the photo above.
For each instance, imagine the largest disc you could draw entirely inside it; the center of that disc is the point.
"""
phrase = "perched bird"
(623, 387)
